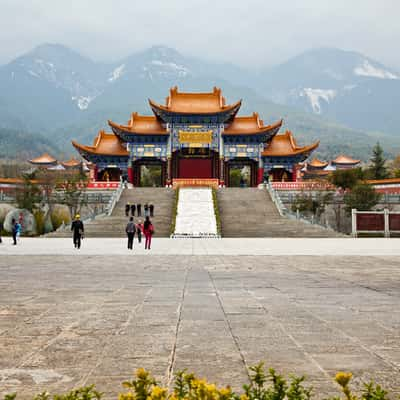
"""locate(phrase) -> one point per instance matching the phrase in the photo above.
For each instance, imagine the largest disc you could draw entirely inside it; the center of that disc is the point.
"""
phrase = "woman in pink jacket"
(148, 231)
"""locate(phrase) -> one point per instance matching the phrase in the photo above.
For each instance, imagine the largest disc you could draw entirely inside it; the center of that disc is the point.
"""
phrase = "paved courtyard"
(69, 320)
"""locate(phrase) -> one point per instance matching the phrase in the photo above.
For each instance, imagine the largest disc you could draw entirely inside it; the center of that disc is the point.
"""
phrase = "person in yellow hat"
(78, 229)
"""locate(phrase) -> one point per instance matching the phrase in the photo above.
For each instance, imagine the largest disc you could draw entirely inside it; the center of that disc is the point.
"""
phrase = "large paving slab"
(73, 320)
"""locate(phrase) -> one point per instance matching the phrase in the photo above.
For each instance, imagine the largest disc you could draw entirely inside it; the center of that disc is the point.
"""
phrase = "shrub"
(174, 211)
(216, 211)
(262, 386)
(60, 215)
(39, 218)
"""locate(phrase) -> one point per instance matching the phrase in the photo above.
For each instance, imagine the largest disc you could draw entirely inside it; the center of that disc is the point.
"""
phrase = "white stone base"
(195, 215)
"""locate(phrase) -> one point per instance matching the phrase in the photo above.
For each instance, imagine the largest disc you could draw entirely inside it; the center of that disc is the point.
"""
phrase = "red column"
(221, 172)
(169, 166)
(294, 173)
(131, 175)
(260, 177)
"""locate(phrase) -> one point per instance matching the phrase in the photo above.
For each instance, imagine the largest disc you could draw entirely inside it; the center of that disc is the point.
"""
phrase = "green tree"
(346, 178)
(28, 196)
(378, 168)
(362, 197)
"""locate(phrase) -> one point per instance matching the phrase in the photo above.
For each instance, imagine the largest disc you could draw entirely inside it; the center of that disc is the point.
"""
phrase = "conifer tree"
(378, 168)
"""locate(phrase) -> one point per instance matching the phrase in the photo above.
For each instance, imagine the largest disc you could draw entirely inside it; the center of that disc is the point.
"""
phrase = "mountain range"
(342, 98)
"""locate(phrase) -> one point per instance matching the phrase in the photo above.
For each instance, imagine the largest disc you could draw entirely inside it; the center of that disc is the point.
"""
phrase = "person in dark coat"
(151, 208)
(139, 209)
(78, 230)
(130, 231)
(133, 210)
(14, 231)
(1, 228)
(127, 209)
(146, 210)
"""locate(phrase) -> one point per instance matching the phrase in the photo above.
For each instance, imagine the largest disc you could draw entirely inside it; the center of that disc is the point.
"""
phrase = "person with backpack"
(78, 230)
(148, 231)
(130, 231)
(139, 230)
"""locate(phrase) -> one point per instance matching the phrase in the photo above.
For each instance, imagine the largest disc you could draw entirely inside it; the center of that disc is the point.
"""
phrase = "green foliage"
(186, 386)
(150, 176)
(234, 177)
(378, 168)
(174, 211)
(346, 178)
(362, 197)
(28, 196)
(307, 203)
(24, 145)
(40, 221)
(58, 216)
(216, 211)
(74, 189)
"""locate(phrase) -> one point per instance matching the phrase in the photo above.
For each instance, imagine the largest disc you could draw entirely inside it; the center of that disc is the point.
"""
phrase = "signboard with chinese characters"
(198, 138)
(241, 151)
(148, 150)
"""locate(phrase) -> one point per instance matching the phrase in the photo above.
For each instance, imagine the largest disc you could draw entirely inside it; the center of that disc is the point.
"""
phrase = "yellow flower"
(343, 378)
(244, 397)
(141, 373)
(126, 396)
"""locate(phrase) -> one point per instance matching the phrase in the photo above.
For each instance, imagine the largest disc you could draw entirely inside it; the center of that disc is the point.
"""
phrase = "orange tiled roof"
(195, 103)
(285, 145)
(250, 124)
(106, 144)
(73, 162)
(387, 181)
(45, 158)
(316, 163)
(342, 159)
(141, 124)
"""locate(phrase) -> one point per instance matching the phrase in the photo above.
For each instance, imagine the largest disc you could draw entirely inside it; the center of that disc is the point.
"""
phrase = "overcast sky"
(245, 32)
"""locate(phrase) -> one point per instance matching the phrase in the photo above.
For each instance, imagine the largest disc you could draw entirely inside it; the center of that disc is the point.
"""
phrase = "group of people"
(131, 229)
(140, 228)
(137, 208)
(146, 228)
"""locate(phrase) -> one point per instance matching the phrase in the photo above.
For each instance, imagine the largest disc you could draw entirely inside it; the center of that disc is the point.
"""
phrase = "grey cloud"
(252, 33)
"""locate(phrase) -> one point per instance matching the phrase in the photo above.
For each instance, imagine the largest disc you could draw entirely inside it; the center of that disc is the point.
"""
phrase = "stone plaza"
(215, 307)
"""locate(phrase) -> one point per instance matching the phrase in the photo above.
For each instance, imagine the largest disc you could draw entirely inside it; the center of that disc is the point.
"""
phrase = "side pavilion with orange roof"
(195, 136)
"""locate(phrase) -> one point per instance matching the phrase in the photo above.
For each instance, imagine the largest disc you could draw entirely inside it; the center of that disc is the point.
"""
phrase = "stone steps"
(250, 212)
(114, 225)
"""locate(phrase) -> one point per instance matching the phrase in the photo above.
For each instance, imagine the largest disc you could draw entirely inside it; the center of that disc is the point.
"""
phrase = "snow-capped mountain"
(56, 91)
(342, 85)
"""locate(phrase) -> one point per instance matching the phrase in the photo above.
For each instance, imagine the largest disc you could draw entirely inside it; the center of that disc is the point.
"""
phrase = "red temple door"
(195, 168)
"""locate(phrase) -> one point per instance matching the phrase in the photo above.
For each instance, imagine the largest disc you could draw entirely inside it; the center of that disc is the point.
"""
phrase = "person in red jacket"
(148, 231)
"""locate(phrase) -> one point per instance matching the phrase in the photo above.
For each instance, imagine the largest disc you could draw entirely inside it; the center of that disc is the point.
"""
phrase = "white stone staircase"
(195, 214)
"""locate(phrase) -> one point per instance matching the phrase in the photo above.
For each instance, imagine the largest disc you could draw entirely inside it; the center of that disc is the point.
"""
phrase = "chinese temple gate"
(195, 136)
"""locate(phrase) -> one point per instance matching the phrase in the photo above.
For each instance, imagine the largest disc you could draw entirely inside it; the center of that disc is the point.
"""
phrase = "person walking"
(127, 209)
(139, 209)
(130, 231)
(139, 230)
(133, 210)
(18, 228)
(78, 229)
(151, 208)
(148, 231)
(14, 230)
(146, 210)
(1, 228)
